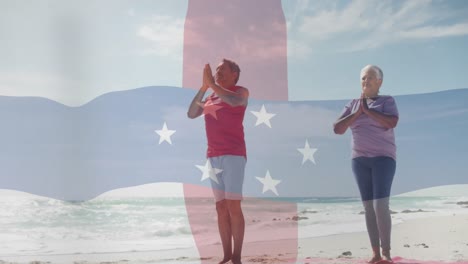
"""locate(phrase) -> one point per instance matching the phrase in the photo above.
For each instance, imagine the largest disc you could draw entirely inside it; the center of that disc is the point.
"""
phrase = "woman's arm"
(386, 120)
(342, 124)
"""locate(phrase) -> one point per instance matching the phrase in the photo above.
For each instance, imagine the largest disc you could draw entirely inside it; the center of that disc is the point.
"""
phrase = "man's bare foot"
(374, 259)
(236, 260)
(225, 260)
(386, 256)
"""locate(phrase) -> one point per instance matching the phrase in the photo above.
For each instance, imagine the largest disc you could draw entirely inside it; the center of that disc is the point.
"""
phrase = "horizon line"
(190, 89)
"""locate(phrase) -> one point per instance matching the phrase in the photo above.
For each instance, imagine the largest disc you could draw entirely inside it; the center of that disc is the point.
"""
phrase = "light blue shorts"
(231, 179)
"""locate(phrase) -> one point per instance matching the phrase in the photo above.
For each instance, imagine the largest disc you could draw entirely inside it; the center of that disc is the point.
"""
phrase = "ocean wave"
(148, 223)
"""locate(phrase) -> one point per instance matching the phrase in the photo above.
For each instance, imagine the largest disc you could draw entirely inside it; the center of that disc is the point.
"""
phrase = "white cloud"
(327, 23)
(363, 24)
(165, 36)
(436, 31)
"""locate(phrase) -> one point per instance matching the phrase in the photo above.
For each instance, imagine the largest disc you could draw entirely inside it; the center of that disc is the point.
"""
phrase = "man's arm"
(196, 107)
(237, 98)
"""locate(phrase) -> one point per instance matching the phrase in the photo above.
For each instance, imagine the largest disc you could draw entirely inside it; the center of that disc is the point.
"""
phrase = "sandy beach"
(427, 241)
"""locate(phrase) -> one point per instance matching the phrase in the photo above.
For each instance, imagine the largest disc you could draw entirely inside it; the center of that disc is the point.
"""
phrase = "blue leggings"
(374, 177)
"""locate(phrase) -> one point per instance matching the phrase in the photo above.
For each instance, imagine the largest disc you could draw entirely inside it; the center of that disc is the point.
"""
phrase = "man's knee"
(234, 207)
(222, 207)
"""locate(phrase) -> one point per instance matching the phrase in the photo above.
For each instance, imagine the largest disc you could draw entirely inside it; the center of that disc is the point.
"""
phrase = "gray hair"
(234, 67)
(378, 72)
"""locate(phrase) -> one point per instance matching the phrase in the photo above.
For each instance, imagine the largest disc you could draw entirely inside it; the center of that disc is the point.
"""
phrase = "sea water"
(34, 225)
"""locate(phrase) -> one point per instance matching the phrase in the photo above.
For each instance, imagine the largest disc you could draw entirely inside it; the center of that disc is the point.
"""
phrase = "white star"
(165, 134)
(269, 183)
(209, 171)
(211, 110)
(263, 117)
(307, 152)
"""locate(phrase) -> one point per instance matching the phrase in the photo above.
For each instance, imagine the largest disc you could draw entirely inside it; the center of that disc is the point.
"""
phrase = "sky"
(73, 52)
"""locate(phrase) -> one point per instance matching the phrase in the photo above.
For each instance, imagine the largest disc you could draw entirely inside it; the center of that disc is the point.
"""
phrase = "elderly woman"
(372, 119)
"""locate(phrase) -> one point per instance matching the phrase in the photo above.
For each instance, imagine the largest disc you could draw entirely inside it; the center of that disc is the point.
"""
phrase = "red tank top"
(224, 128)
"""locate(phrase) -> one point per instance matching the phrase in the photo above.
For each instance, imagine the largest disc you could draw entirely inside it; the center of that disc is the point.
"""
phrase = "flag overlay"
(139, 136)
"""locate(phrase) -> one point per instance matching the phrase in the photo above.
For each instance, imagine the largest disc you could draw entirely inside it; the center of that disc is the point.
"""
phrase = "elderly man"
(224, 113)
